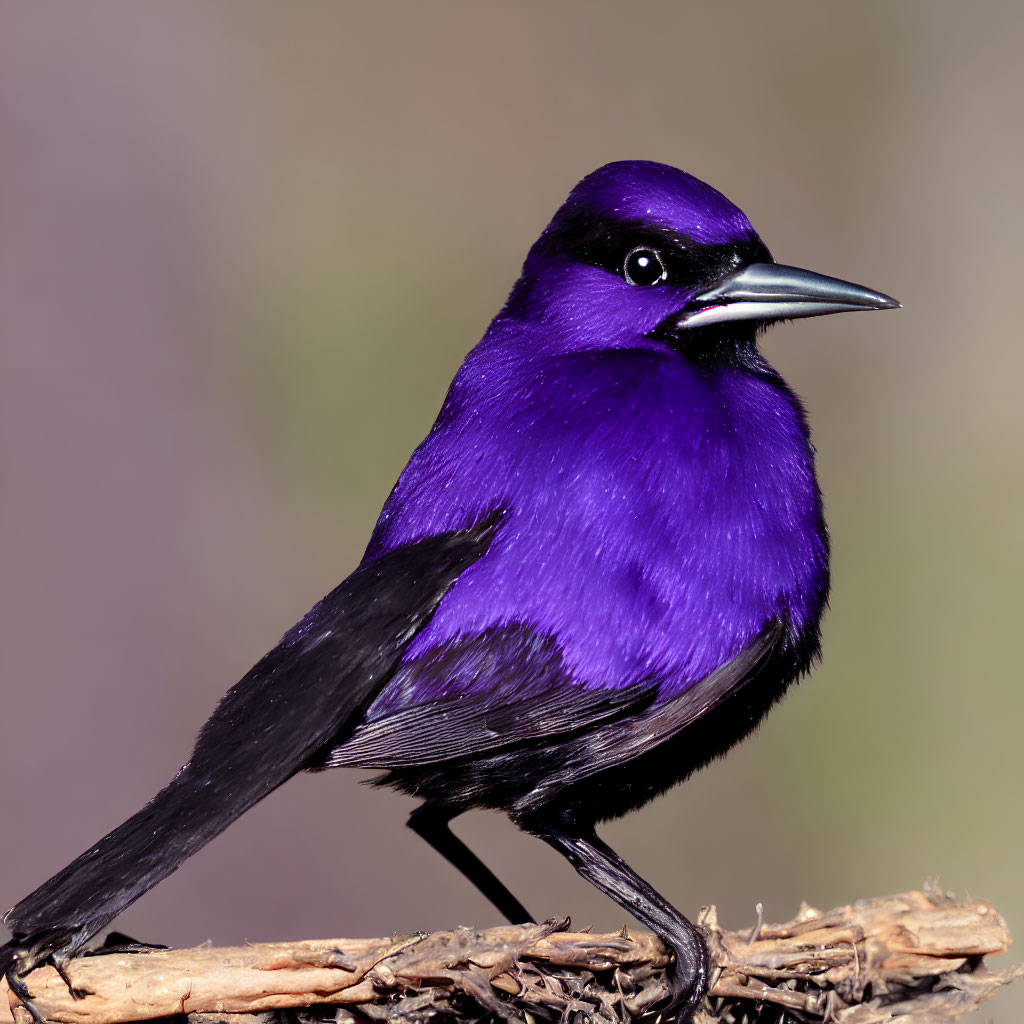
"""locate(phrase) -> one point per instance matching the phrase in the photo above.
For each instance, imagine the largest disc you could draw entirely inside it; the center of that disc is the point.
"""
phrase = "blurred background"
(244, 247)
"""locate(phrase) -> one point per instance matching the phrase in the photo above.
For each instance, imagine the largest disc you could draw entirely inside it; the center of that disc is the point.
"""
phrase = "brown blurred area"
(243, 248)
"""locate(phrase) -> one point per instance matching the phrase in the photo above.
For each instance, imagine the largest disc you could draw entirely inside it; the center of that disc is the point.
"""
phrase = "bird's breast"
(656, 520)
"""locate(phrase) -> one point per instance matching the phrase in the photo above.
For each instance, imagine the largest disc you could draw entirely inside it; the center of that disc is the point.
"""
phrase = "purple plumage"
(659, 513)
(661, 509)
(602, 566)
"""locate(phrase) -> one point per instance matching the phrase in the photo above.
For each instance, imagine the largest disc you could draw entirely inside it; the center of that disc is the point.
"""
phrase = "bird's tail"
(72, 906)
(309, 691)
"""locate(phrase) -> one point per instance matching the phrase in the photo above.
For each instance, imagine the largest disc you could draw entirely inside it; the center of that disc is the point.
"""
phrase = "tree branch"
(918, 954)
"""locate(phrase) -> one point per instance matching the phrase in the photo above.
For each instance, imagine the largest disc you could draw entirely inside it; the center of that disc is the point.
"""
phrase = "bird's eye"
(643, 266)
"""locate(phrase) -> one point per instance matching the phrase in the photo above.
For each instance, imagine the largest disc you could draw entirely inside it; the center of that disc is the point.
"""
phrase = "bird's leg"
(431, 823)
(604, 868)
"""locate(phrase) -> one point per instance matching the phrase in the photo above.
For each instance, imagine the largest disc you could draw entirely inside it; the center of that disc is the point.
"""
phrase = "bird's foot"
(18, 986)
(687, 980)
(25, 953)
(20, 990)
(60, 965)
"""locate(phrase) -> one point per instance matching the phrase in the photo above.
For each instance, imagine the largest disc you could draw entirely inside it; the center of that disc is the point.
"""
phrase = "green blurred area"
(247, 247)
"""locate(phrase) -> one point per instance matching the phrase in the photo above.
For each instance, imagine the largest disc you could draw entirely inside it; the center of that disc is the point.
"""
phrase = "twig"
(918, 954)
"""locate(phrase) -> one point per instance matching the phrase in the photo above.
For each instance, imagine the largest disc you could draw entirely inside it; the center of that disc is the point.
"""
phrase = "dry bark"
(912, 958)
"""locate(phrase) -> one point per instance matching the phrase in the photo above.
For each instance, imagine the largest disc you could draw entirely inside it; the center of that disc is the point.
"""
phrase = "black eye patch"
(689, 264)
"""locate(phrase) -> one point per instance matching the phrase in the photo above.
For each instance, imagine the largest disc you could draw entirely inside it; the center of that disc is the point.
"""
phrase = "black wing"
(612, 745)
(523, 694)
(317, 683)
(512, 686)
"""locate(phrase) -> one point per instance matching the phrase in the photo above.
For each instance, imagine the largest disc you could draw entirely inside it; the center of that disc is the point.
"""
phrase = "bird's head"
(643, 253)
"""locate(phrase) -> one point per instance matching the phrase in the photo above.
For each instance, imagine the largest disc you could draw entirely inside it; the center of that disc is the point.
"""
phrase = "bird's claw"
(20, 990)
(60, 965)
(687, 980)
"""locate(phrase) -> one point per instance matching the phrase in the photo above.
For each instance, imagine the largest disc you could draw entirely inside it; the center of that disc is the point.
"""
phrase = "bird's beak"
(772, 291)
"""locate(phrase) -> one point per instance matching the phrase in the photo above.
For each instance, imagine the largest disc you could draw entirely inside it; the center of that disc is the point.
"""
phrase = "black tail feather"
(77, 902)
(311, 690)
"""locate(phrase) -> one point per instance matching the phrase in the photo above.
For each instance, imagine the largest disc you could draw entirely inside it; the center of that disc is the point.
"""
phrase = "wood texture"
(916, 957)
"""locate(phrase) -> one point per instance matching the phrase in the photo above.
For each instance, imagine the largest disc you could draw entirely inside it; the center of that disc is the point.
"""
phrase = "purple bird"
(598, 571)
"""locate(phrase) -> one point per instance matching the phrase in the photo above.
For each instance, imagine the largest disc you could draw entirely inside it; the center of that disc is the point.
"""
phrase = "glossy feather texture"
(661, 510)
(601, 567)
(314, 685)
